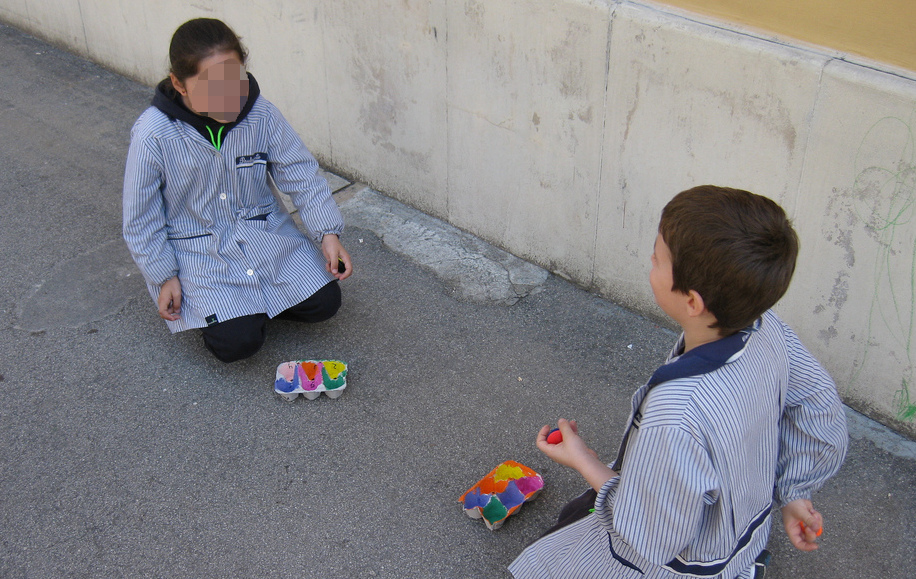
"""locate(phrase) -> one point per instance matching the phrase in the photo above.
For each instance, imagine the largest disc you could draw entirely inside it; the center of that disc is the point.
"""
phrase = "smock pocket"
(188, 237)
(202, 269)
(193, 251)
(251, 179)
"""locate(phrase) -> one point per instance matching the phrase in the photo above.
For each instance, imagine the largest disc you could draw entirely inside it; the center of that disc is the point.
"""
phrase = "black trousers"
(242, 337)
(574, 510)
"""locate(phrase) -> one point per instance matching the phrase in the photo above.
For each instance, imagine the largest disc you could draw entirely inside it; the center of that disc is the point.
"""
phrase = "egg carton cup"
(311, 378)
(501, 493)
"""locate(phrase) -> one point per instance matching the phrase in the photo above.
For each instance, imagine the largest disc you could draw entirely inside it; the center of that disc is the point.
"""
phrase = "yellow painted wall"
(882, 30)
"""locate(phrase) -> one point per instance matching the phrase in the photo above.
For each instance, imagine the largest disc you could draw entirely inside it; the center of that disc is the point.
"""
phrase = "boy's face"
(661, 278)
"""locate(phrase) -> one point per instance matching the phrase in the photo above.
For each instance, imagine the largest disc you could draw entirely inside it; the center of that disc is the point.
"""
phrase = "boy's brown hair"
(734, 248)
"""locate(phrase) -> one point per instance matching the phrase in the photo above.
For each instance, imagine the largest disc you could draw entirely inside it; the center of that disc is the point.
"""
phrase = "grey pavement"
(129, 452)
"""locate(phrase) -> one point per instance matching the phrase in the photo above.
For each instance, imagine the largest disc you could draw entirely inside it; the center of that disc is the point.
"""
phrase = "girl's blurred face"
(219, 90)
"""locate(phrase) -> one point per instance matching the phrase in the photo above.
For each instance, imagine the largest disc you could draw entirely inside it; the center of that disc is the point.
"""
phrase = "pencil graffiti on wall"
(876, 226)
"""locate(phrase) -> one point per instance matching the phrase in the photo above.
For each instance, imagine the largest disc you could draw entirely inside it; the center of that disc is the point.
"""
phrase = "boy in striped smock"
(740, 419)
(215, 246)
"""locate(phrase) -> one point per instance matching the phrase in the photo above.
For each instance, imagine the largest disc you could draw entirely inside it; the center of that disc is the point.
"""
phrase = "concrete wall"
(558, 129)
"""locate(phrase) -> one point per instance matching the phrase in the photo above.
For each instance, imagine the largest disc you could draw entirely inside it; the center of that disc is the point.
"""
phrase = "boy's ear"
(695, 304)
(176, 84)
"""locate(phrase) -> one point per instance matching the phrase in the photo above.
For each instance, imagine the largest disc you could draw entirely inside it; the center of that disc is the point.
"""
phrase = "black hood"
(167, 100)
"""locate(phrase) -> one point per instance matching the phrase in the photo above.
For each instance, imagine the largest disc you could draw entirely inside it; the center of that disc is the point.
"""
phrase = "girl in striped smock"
(217, 250)
(740, 419)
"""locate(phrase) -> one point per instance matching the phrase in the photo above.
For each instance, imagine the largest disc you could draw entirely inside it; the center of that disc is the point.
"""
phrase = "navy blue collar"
(706, 358)
(700, 360)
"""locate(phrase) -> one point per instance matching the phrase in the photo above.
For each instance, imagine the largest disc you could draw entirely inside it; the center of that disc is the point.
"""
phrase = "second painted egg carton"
(310, 378)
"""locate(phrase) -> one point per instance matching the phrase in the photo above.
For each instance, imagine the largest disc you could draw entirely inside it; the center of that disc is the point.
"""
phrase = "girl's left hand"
(334, 251)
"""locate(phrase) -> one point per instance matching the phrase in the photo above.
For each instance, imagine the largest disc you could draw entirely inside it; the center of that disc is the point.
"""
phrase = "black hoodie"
(168, 100)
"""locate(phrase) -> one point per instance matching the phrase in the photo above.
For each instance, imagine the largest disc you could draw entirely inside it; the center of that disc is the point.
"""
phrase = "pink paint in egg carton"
(310, 378)
(501, 493)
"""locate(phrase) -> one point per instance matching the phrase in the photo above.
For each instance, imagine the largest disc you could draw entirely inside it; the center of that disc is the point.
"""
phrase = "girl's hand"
(803, 524)
(170, 300)
(334, 251)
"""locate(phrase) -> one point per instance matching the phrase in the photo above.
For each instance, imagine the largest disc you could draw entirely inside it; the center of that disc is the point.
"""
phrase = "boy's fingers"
(811, 529)
(804, 537)
(817, 523)
(567, 427)
(542, 433)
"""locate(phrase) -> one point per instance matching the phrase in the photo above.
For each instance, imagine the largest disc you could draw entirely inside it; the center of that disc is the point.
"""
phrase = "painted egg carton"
(501, 493)
(310, 378)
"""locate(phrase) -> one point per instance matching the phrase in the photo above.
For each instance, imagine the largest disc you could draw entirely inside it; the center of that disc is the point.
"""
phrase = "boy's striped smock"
(209, 216)
(717, 437)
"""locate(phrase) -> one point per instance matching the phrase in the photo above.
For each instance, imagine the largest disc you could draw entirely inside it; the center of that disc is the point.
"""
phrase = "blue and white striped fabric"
(188, 211)
(706, 457)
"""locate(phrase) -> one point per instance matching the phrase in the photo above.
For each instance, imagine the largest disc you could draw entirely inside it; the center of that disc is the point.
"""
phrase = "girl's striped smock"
(203, 210)
(716, 438)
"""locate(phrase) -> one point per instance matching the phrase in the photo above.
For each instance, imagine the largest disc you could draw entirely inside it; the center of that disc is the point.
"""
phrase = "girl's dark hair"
(197, 39)
(736, 249)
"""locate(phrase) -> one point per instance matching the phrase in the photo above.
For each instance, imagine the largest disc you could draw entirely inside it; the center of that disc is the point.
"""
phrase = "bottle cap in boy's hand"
(554, 436)
(817, 534)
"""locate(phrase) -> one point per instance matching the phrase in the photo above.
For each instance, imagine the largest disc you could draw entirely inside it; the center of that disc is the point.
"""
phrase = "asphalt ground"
(129, 452)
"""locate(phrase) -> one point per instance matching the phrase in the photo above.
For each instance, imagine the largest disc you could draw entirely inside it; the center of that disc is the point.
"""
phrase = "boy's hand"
(573, 452)
(169, 301)
(334, 251)
(803, 524)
